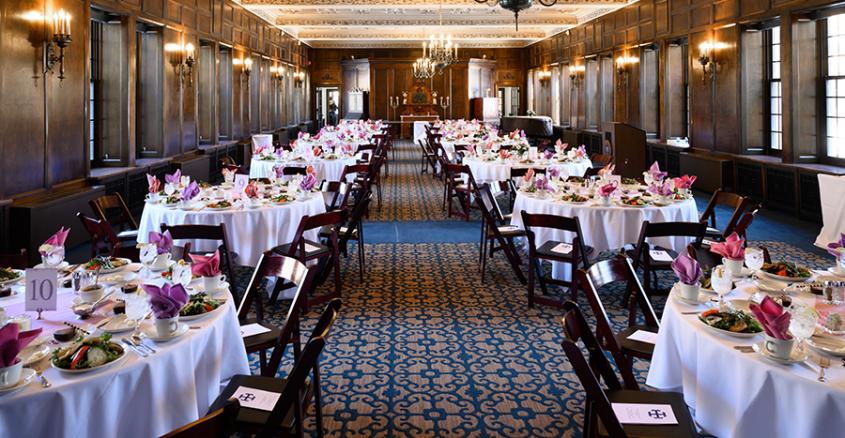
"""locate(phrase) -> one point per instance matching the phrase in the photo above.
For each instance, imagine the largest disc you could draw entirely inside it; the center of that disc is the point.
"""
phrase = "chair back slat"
(216, 233)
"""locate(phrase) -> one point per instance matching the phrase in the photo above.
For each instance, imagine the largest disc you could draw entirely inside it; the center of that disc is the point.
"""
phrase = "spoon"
(86, 309)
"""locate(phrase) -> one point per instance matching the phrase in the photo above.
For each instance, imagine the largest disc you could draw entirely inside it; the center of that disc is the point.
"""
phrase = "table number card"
(41, 289)
(255, 398)
(241, 181)
(642, 413)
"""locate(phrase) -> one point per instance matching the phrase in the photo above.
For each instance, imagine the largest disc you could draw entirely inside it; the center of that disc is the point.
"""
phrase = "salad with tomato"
(87, 353)
(199, 304)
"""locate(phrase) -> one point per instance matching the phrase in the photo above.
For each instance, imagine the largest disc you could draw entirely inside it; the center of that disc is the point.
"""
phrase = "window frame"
(769, 80)
(822, 36)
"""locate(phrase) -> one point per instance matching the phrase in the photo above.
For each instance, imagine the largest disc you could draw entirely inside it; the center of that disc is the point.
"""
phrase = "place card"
(562, 248)
(252, 330)
(644, 336)
(660, 255)
(311, 248)
(642, 413)
(241, 181)
(255, 398)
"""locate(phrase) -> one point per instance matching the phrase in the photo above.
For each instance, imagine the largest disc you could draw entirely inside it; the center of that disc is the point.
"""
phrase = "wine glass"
(802, 324)
(147, 254)
(137, 306)
(169, 189)
(754, 259)
(721, 281)
(54, 257)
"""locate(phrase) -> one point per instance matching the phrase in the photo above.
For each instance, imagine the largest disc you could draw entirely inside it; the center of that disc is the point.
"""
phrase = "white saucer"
(827, 344)
(31, 355)
(169, 264)
(795, 357)
(27, 376)
(62, 265)
(120, 324)
(744, 273)
(701, 299)
(200, 287)
(150, 332)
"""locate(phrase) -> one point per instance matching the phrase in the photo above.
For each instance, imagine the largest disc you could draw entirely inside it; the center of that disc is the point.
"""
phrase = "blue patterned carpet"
(423, 348)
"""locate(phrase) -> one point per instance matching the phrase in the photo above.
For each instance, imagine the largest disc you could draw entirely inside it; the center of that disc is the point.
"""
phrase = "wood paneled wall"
(391, 72)
(44, 122)
(715, 107)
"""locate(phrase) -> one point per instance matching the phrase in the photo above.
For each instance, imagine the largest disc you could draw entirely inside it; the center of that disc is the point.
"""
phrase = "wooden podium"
(417, 106)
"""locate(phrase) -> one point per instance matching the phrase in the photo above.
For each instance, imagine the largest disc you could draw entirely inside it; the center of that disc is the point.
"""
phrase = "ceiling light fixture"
(517, 5)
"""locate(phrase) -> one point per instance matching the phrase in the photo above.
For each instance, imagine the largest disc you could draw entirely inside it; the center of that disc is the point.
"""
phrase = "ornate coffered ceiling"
(406, 23)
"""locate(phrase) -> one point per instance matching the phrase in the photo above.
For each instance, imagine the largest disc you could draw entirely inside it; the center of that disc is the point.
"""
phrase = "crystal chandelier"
(424, 68)
(441, 51)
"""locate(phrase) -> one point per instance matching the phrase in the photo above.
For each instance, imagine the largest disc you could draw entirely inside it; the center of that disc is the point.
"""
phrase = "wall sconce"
(623, 70)
(544, 76)
(246, 68)
(60, 38)
(277, 73)
(182, 60)
(575, 73)
(298, 79)
(707, 58)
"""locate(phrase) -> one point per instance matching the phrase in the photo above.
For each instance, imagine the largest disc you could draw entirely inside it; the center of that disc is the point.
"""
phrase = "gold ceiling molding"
(418, 3)
(557, 20)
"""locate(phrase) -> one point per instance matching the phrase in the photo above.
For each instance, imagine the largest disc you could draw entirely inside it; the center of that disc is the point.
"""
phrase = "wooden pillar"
(788, 89)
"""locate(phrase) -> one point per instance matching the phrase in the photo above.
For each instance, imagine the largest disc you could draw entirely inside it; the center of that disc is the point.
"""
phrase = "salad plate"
(27, 376)
(785, 271)
(31, 355)
(151, 333)
(120, 324)
(796, 356)
(827, 344)
(106, 265)
(200, 306)
(735, 323)
(90, 354)
(10, 276)
(119, 277)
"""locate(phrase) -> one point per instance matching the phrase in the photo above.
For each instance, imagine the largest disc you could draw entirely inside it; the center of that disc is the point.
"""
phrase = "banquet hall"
(400, 218)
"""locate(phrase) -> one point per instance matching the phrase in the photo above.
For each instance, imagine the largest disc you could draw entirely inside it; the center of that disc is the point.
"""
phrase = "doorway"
(328, 106)
(508, 101)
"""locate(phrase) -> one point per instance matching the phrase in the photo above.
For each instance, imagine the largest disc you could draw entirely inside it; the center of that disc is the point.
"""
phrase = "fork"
(138, 340)
(824, 363)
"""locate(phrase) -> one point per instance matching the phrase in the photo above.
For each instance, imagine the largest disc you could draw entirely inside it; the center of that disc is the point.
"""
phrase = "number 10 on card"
(41, 290)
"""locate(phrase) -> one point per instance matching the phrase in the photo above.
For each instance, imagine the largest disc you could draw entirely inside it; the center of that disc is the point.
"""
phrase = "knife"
(133, 348)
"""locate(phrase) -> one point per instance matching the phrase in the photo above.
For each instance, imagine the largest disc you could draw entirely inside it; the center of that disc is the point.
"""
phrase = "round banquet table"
(250, 231)
(136, 397)
(494, 171)
(737, 394)
(329, 170)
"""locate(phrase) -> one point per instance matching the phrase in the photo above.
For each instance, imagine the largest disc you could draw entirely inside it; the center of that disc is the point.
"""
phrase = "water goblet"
(802, 324)
(721, 281)
(754, 259)
(54, 257)
(147, 255)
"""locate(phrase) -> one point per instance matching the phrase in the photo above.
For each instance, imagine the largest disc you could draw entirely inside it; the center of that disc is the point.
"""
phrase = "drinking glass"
(169, 189)
(147, 254)
(54, 257)
(228, 177)
(802, 324)
(137, 306)
(754, 258)
(721, 281)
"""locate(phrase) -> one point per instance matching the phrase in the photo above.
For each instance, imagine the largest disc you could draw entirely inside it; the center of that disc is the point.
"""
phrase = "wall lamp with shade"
(246, 68)
(182, 58)
(623, 67)
(277, 73)
(707, 52)
(543, 76)
(298, 79)
(60, 37)
(575, 74)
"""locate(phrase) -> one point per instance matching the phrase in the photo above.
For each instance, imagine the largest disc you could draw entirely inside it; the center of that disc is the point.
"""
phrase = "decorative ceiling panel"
(407, 23)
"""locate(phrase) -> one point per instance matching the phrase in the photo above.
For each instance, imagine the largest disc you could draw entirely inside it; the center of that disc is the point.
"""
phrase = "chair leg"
(538, 266)
(318, 408)
(361, 252)
(531, 285)
(483, 262)
(337, 284)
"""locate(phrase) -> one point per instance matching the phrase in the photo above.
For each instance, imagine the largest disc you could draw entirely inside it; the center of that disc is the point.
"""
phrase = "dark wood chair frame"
(491, 234)
(206, 232)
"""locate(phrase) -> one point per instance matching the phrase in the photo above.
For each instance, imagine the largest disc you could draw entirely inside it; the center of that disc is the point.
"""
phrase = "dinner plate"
(126, 262)
(782, 278)
(827, 344)
(27, 376)
(702, 298)
(727, 332)
(833, 272)
(13, 280)
(151, 333)
(622, 204)
(795, 357)
(119, 277)
(203, 315)
(88, 370)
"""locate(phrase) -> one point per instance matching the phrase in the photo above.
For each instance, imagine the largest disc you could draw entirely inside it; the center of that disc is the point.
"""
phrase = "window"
(255, 96)
(835, 87)
(565, 104)
(775, 91)
(591, 96)
(109, 90)
(677, 90)
(556, 95)
(206, 89)
(650, 92)
(224, 76)
(530, 90)
(93, 91)
(606, 89)
(149, 91)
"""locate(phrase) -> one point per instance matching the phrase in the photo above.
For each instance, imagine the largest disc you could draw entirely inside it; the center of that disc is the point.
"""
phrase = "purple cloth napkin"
(607, 189)
(655, 172)
(542, 183)
(191, 191)
(687, 269)
(175, 178)
(162, 241)
(837, 249)
(308, 182)
(12, 341)
(662, 188)
(554, 172)
(772, 317)
(733, 248)
(167, 300)
(548, 154)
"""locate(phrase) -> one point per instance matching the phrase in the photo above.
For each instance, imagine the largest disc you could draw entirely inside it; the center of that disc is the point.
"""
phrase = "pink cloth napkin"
(684, 182)
(529, 175)
(206, 266)
(12, 341)
(251, 190)
(607, 170)
(607, 189)
(732, 248)
(153, 183)
(59, 238)
(504, 154)
(772, 317)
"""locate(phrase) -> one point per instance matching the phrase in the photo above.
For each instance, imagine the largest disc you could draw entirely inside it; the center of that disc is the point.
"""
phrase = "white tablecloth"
(138, 397)
(832, 194)
(326, 169)
(419, 131)
(250, 231)
(738, 394)
(493, 171)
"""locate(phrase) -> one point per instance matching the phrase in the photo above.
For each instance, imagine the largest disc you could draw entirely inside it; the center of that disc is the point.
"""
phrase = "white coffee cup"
(839, 267)
(779, 348)
(605, 200)
(167, 327)
(91, 293)
(154, 197)
(212, 284)
(161, 261)
(10, 376)
(689, 291)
